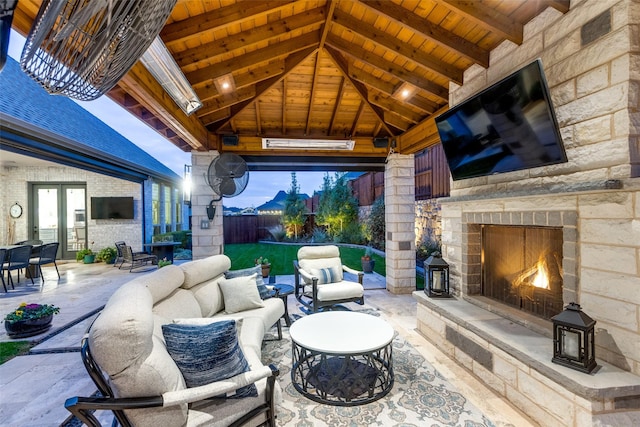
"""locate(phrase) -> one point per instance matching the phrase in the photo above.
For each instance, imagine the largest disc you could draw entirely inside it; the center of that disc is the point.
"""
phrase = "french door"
(59, 215)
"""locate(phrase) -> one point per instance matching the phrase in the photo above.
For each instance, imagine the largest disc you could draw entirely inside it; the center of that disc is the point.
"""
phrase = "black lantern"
(574, 339)
(436, 276)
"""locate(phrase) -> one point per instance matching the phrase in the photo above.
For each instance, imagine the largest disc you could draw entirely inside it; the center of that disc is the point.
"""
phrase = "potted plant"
(29, 319)
(107, 255)
(266, 265)
(368, 263)
(163, 262)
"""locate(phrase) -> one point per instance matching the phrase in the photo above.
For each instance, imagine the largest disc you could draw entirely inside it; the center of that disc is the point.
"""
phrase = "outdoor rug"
(420, 397)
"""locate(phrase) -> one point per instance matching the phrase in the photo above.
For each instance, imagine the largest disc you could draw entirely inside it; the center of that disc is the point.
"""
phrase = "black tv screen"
(507, 127)
(112, 208)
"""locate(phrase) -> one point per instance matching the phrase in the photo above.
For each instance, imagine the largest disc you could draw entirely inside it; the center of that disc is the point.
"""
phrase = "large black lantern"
(574, 339)
(436, 276)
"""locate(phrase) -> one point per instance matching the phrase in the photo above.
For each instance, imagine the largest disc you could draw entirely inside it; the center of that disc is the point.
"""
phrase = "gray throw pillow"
(208, 353)
(262, 289)
(240, 294)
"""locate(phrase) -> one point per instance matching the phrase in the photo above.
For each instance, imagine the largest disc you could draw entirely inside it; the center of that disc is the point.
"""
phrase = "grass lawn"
(281, 257)
(9, 350)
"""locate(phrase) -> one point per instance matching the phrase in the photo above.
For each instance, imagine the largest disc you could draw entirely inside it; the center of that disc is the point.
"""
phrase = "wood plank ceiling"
(316, 69)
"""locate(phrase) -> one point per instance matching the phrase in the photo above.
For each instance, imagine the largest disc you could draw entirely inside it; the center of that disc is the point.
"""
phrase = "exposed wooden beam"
(246, 38)
(487, 18)
(228, 100)
(290, 63)
(362, 76)
(253, 58)
(249, 78)
(219, 18)
(393, 107)
(342, 64)
(258, 118)
(420, 136)
(313, 91)
(390, 42)
(423, 103)
(431, 31)
(284, 106)
(388, 67)
(336, 106)
(356, 119)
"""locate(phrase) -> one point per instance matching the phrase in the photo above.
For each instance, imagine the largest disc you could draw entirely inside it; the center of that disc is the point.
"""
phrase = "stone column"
(399, 199)
(205, 241)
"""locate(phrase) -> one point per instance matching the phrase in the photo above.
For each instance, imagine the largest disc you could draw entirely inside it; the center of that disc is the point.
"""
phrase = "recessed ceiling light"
(225, 84)
(404, 91)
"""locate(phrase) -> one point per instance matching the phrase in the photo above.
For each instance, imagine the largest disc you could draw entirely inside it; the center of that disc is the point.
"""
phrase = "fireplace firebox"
(522, 267)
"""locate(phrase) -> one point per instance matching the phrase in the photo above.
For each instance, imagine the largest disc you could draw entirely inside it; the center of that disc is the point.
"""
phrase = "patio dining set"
(27, 255)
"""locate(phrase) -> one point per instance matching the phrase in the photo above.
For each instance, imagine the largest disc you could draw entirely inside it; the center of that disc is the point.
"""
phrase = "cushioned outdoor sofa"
(181, 346)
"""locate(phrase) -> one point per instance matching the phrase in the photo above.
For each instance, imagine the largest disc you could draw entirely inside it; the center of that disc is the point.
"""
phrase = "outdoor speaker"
(380, 142)
(230, 140)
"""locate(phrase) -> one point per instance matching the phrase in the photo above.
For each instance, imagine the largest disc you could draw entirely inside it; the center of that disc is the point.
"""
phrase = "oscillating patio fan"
(228, 175)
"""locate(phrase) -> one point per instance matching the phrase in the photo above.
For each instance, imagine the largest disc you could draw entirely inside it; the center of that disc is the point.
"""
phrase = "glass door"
(59, 215)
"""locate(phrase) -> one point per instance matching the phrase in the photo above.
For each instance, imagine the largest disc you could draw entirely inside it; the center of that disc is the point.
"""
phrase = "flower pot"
(266, 268)
(89, 259)
(27, 328)
(368, 264)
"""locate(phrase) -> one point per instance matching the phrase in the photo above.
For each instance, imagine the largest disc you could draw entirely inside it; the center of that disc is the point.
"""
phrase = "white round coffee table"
(342, 358)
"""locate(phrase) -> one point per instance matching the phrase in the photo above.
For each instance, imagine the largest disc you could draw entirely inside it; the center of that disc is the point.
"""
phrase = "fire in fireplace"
(522, 267)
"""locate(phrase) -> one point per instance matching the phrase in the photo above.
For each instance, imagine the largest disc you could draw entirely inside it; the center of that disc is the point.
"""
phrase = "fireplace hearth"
(522, 267)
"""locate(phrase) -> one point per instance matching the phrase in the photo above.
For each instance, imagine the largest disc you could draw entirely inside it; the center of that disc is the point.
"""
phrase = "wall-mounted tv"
(506, 127)
(112, 208)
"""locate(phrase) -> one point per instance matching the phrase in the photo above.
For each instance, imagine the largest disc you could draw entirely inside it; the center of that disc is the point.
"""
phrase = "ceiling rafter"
(291, 62)
(407, 51)
(245, 79)
(253, 58)
(336, 105)
(487, 18)
(191, 28)
(394, 108)
(430, 31)
(356, 119)
(388, 67)
(342, 64)
(249, 37)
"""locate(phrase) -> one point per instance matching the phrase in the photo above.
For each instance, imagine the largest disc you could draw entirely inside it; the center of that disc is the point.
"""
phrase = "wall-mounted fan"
(228, 175)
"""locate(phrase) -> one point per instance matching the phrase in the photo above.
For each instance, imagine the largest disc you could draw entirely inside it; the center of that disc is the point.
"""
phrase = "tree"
(294, 209)
(338, 208)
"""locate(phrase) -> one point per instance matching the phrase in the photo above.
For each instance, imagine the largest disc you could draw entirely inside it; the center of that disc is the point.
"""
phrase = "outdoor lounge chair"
(137, 260)
(323, 286)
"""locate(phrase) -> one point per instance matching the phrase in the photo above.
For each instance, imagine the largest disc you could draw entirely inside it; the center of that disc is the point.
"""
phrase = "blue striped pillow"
(207, 353)
(327, 275)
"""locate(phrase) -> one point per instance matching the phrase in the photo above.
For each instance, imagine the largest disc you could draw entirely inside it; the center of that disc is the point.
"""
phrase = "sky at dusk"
(262, 186)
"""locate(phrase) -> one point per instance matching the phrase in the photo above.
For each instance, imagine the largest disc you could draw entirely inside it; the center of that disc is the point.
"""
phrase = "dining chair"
(17, 258)
(47, 255)
(3, 255)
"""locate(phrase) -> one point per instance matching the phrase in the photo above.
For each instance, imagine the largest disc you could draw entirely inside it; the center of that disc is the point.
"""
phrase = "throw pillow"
(207, 353)
(262, 289)
(240, 294)
(327, 275)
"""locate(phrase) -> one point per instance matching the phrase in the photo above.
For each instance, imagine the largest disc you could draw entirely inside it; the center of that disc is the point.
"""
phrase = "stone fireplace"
(576, 223)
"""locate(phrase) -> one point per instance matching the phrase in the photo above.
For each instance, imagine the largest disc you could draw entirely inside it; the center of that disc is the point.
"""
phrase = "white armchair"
(319, 279)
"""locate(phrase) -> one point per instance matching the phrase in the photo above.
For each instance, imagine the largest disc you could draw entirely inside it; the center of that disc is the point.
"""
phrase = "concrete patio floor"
(34, 387)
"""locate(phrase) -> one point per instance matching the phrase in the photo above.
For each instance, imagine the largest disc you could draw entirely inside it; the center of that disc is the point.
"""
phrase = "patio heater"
(574, 339)
(436, 276)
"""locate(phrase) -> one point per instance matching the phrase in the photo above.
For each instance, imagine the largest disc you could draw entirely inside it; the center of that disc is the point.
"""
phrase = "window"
(167, 206)
(155, 204)
(178, 203)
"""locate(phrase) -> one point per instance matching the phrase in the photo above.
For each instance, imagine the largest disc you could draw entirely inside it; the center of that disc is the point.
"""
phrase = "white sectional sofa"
(128, 345)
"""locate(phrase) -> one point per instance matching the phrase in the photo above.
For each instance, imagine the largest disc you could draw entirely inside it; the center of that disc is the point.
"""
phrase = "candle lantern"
(436, 276)
(574, 339)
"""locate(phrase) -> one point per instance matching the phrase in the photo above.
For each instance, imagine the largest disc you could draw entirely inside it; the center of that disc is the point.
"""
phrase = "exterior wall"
(428, 221)
(595, 92)
(208, 241)
(102, 232)
(399, 199)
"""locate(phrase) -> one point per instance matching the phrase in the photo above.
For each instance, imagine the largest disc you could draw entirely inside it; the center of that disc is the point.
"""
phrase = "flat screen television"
(112, 208)
(509, 126)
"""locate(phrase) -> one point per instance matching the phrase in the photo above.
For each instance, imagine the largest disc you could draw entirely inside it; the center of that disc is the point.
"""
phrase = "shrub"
(427, 248)
(319, 236)
(277, 232)
(375, 224)
(107, 255)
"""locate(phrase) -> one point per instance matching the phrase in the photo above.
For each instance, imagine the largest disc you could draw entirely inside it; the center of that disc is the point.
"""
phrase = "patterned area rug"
(420, 397)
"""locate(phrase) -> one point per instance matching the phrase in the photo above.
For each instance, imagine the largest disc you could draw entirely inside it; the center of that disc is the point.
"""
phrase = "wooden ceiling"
(317, 69)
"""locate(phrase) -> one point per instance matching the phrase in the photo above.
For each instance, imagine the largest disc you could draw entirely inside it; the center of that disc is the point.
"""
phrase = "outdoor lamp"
(436, 277)
(574, 339)
(186, 183)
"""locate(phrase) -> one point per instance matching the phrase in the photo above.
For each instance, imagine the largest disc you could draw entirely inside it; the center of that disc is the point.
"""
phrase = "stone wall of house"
(102, 232)
(593, 72)
(428, 221)
(206, 241)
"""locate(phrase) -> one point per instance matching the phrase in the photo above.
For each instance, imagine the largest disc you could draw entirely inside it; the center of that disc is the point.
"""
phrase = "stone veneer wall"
(399, 196)
(209, 241)
(427, 220)
(102, 232)
(594, 77)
